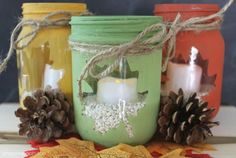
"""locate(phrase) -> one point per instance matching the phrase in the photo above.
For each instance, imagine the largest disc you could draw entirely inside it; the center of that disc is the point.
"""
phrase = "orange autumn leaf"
(70, 148)
(75, 148)
(177, 153)
(82, 148)
(113, 153)
(77, 145)
(165, 147)
(204, 147)
(136, 151)
(159, 148)
(53, 152)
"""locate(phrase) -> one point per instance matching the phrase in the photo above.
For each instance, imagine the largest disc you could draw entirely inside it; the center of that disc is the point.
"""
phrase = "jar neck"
(187, 11)
(39, 10)
(40, 16)
(109, 30)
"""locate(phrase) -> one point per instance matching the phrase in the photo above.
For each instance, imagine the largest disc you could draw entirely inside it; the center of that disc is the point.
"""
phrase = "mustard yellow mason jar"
(46, 61)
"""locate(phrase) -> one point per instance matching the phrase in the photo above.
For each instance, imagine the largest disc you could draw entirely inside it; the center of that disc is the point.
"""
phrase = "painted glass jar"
(47, 59)
(199, 55)
(122, 106)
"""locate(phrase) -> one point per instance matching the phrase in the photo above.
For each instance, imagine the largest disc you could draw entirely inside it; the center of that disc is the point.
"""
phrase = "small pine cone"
(48, 114)
(185, 121)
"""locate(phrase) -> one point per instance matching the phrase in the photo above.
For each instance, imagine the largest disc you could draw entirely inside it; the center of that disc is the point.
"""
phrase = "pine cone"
(185, 121)
(48, 114)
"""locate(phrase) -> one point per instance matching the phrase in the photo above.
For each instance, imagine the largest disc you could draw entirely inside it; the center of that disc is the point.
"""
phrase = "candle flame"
(117, 81)
(193, 55)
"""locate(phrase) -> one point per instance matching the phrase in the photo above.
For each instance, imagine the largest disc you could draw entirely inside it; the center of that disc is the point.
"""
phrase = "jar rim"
(109, 30)
(37, 8)
(106, 18)
(164, 8)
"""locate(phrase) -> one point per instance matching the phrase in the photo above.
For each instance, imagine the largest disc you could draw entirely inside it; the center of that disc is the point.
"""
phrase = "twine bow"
(142, 46)
(49, 20)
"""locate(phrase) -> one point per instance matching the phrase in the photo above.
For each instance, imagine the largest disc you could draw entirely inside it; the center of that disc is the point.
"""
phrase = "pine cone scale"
(177, 136)
(163, 121)
(29, 103)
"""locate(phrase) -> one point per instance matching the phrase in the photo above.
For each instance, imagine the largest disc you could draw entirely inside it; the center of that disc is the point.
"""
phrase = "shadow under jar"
(122, 106)
(46, 61)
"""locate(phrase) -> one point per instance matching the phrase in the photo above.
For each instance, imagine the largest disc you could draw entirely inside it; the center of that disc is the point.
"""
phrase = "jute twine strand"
(142, 46)
(50, 20)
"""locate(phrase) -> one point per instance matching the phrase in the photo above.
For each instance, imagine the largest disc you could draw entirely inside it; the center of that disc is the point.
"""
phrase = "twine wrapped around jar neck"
(139, 46)
(36, 25)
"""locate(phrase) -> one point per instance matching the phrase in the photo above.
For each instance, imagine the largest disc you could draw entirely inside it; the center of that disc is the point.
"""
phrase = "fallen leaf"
(79, 147)
(155, 154)
(204, 147)
(174, 154)
(53, 152)
(113, 153)
(165, 147)
(136, 152)
(190, 153)
(158, 147)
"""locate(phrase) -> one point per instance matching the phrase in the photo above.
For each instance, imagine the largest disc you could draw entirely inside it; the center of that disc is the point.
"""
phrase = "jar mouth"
(37, 8)
(164, 8)
(109, 19)
(109, 30)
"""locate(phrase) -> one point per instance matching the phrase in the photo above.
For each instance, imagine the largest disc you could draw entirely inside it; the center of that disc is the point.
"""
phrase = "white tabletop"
(226, 133)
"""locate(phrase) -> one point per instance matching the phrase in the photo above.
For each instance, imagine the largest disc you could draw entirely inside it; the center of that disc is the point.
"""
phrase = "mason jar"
(46, 61)
(199, 55)
(121, 106)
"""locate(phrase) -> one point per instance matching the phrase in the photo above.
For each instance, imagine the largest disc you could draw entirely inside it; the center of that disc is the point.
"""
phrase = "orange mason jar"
(199, 55)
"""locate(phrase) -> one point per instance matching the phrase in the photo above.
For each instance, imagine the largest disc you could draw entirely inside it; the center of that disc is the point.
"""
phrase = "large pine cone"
(48, 114)
(185, 121)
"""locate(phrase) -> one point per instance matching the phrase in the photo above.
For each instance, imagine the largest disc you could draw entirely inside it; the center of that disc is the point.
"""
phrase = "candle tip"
(193, 55)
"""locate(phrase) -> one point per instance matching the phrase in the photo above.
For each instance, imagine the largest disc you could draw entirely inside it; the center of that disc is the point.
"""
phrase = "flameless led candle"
(111, 90)
(52, 76)
(185, 76)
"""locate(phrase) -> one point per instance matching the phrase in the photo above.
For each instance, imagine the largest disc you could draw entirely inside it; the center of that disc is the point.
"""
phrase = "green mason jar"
(121, 106)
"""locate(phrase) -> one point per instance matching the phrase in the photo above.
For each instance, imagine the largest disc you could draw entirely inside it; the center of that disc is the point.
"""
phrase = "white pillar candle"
(185, 76)
(52, 76)
(111, 90)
